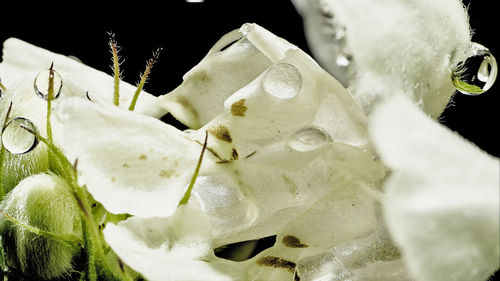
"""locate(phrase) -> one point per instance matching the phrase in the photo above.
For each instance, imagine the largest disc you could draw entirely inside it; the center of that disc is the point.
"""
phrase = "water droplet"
(41, 84)
(309, 138)
(246, 28)
(75, 58)
(220, 197)
(17, 140)
(477, 73)
(343, 58)
(283, 81)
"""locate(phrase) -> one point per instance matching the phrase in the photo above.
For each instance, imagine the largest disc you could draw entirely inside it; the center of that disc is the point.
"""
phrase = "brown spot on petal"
(235, 154)
(238, 108)
(143, 157)
(291, 184)
(221, 132)
(250, 155)
(167, 173)
(187, 105)
(277, 263)
(293, 242)
(125, 165)
(113, 179)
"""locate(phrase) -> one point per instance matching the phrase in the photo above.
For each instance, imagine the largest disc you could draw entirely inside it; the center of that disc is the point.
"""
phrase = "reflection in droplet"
(41, 84)
(17, 140)
(309, 138)
(282, 80)
(477, 73)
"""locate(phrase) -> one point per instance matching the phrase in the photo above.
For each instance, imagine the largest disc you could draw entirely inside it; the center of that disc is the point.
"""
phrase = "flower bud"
(43, 202)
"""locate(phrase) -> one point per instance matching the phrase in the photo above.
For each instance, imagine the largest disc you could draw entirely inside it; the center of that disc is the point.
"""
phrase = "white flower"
(379, 48)
(442, 198)
(290, 154)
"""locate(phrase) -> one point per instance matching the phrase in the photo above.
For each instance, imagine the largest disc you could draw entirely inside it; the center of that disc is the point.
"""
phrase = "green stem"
(2, 159)
(90, 251)
(187, 194)
(50, 97)
(94, 240)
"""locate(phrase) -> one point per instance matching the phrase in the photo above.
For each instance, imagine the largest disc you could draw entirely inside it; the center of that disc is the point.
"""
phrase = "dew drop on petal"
(283, 81)
(17, 140)
(477, 73)
(246, 28)
(75, 58)
(41, 84)
(309, 138)
(221, 198)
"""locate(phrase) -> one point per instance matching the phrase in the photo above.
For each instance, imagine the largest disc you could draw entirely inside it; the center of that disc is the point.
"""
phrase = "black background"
(186, 31)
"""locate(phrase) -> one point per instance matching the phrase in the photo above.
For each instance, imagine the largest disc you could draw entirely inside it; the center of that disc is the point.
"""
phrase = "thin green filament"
(187, 194)
(69, 239)
(144, 77)
(116, 69)
(50, 97)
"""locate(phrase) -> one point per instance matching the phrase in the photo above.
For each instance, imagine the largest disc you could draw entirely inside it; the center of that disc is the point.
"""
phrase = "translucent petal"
(443, 195)
(378, 48)
(129, 162)
(339, 237)
(177, 248)
(201, 96)
(21, 60)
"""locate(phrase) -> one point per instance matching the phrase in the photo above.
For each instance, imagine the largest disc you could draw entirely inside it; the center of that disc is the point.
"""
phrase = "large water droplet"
(282, 80)
(17, 140)
(220, 197)
(41, 84)
(309, 138)
(477, 73)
